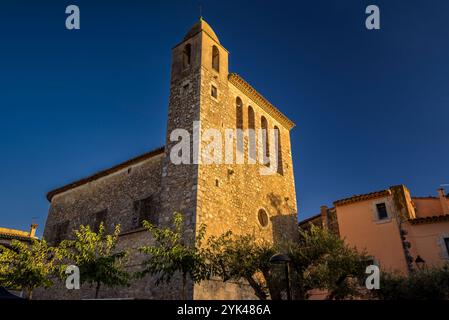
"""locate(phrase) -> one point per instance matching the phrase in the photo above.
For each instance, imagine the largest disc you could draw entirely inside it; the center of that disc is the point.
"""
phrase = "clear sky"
(371, 107)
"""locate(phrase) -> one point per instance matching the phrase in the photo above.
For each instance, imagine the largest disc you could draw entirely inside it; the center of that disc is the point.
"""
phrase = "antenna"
(33, 220)
(200, 8)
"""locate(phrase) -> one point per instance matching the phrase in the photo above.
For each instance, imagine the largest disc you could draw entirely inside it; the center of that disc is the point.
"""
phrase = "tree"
(28, 265)
(174, 251)
(426, 284)
(243, 257)
(95, 254)
(322, 260)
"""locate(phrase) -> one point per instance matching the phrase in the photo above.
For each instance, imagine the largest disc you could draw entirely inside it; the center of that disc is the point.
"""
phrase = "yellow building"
(7, 235)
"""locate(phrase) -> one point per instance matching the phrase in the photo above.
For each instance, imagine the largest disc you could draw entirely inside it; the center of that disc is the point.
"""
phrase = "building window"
(214, 92)
(60, 231)
(262, 217)
(96, 219)
(215, 59)
(446, 242)
(239, 113)
(146, 209)
(186, 56)
(239, 123)
(381, 211)
(252, 134)
(280, 168)
(265, 141)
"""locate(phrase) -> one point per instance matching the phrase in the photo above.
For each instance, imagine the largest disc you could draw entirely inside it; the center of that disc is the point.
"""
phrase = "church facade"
(223, 195)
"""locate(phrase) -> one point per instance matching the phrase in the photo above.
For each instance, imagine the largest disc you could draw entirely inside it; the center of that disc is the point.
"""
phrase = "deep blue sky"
(371, 107)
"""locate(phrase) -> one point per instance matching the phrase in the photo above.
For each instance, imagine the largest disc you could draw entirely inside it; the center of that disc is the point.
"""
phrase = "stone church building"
(151, 187)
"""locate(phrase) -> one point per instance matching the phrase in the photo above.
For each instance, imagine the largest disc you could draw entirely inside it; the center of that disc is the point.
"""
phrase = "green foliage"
(96, 257)
(322, 260)
(242, 257)
(426, 284)
(28, 265)
(174, 252)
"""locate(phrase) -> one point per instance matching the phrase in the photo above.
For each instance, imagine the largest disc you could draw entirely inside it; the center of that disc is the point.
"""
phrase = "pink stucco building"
(392, 226)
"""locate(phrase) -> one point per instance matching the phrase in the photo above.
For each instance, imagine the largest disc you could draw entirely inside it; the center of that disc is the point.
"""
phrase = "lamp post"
(420, 262)
(285, 260)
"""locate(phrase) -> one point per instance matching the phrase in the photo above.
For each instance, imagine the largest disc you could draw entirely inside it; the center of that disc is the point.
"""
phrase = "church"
(224, 196)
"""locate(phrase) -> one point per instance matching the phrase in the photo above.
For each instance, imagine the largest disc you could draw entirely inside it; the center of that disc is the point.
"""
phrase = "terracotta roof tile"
(431, 219)
(362, 197)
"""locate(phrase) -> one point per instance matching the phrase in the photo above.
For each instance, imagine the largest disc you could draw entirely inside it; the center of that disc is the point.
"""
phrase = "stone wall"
(116, 193)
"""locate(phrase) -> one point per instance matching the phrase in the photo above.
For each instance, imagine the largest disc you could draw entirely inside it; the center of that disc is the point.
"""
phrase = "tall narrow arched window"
(251, 118)
(215, 59)
(186, 55)
(239, 111)
(251, 133)
(279, 150)
(265, 142)
(239, 123)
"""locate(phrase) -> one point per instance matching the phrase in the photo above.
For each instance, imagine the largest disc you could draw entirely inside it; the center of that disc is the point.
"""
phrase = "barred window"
(146, 209)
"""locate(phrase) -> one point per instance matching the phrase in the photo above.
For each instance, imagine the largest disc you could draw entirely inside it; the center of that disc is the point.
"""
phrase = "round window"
(263, 218)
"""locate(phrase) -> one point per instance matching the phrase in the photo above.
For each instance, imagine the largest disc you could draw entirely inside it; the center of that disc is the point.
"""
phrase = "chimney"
(324, 219)
(443, 201)
(33, 230)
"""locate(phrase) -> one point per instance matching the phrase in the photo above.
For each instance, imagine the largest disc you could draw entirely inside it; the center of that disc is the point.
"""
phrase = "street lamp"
(285, 260)
(420, 262)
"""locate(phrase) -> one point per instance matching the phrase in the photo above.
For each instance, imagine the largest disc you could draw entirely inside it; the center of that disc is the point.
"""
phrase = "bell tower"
(224, 195)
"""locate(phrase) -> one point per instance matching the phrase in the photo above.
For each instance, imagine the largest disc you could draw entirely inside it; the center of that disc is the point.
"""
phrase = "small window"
(446, 242)
(96, 219)
(381, 211)
(186, 56)
(146, 209)
(214, 92)
(215, 59)
(262, 216)
(185, 88)
(60, 232)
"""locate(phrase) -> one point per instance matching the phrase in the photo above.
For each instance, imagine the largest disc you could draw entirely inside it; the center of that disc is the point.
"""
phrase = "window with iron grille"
(146, 209)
